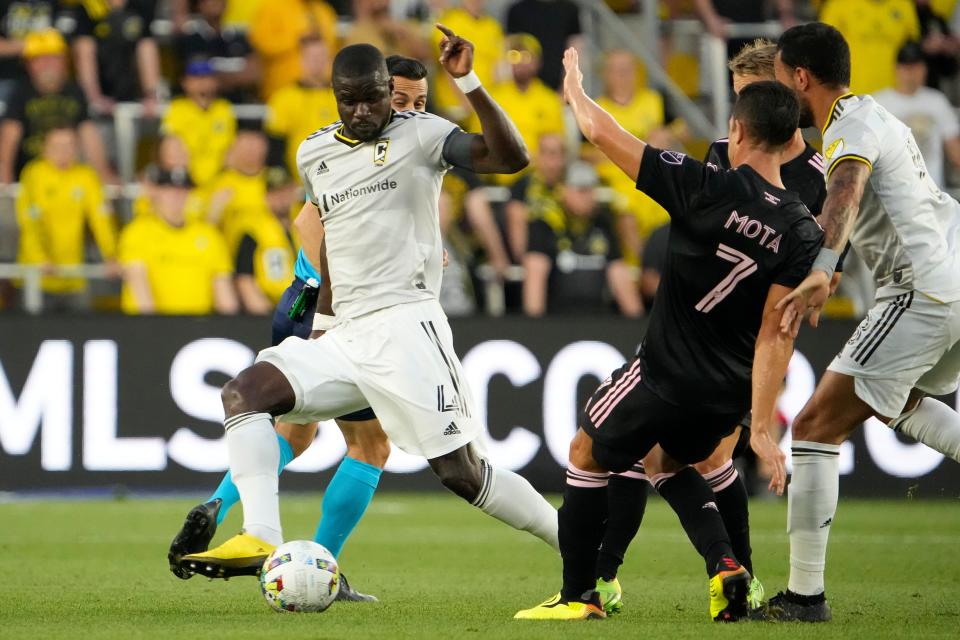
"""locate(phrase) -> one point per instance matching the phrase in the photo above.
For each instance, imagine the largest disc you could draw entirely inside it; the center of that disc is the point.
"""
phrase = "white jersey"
(907, 231)
(379, 204)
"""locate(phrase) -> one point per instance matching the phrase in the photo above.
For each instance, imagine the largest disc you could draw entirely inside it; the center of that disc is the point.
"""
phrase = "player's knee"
(372, 451)
(236, 396)
(232, 397)
(716, 460)
(806, 425)
(463, 481)
(581, 451)
(300, 438)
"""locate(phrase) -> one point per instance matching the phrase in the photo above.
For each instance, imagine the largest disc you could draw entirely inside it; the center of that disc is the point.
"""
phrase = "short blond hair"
(755, 59)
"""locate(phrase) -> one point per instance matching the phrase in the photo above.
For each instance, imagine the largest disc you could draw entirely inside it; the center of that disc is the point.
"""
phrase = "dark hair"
(818, 48)
(769, 111)
(409, 68)
(357, 61)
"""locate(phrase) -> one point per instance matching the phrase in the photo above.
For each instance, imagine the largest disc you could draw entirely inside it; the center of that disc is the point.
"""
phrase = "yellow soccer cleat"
(241, 555)
(728, 592)
(556, 609)
(611, 595)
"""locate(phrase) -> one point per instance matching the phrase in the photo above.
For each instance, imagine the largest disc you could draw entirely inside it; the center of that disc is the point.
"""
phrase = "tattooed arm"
(844, 191)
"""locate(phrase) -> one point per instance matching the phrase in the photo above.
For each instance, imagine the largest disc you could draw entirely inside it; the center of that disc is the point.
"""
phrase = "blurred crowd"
(208, 229)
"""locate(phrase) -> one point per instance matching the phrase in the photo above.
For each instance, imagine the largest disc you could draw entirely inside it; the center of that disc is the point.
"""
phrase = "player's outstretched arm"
(500, 147)
(623, 148)
(844, 191)
(770, 359)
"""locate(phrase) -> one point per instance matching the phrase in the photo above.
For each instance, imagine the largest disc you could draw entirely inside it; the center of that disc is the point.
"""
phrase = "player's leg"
(202, 521)
(928, 420)
(730, 494)
(691, 498)
(901, 339)
(581, 519)
(352, 487)
(286, 381)
(618, 427)
(828, 418)
(498, 492)
(626, 504)
(414, 381)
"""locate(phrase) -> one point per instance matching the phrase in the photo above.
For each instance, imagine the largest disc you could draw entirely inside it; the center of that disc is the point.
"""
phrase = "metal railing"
(32, 275)
(713, 55)
(602, 24)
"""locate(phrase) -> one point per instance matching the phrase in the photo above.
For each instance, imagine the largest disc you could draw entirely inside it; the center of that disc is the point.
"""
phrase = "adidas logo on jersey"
(322, 169)
(451, 430)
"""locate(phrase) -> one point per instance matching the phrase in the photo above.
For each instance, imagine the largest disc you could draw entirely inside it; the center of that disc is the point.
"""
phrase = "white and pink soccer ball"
(300, 576)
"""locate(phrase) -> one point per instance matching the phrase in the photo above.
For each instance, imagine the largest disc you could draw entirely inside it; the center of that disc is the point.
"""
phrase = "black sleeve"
(17, 104)
(277, 152)
(655, 250)
(77, 93)
(542, 239)
(518, 190)
(607, 222)
(717, 154)
(673, 179)
(147, 10)
(802, 244)
(84, 23)
(248, 247)
(189, 46)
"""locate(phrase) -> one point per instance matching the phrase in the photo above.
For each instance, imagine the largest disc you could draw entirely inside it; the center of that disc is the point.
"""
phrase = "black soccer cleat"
(787, 606)
(194, 536)
(349, 594)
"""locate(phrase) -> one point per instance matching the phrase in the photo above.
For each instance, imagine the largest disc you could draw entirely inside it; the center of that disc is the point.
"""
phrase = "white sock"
(254, 457)
(811, 505)
(934, 424)
(511, 499)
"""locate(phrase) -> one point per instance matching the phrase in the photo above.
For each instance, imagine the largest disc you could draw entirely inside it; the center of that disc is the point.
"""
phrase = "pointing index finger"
(445, 30)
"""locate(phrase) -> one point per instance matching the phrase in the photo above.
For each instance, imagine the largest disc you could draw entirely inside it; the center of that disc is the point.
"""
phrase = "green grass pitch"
(97, 569)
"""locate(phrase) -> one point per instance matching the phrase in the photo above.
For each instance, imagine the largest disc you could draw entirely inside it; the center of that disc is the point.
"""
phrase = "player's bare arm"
(844, 191)
(310, 229)
(600, 128)
(499, 148)
(771, 357)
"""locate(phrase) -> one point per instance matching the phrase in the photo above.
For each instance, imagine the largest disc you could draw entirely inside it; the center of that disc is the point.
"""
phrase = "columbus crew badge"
(380, 152)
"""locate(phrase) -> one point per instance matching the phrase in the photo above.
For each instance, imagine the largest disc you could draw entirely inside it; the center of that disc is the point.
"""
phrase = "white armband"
(323, 322)
(468, 83)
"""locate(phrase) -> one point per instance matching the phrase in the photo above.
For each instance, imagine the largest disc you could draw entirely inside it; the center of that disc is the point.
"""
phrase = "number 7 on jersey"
(743, 266)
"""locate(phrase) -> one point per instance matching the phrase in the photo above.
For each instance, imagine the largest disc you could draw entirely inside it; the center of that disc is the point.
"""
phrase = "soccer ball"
(300, 576)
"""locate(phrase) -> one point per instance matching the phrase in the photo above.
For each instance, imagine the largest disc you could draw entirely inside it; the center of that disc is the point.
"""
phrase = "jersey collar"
(350, 142)
(835, 111)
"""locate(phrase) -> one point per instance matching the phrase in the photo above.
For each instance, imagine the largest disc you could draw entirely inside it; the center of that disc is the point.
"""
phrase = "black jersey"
(732, 236)
(803, 175)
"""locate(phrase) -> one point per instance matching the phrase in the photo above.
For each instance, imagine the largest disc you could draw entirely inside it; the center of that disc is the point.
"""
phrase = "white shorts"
(399, 361)
(905, 341)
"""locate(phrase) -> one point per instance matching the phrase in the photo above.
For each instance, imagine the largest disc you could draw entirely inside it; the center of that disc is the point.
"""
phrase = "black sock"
(626, 502)
(581, 520)
(691, 498)
(732, 502)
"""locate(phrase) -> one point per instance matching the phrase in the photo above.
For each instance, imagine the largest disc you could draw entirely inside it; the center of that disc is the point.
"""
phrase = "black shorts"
(284, 326)
(625, 420)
